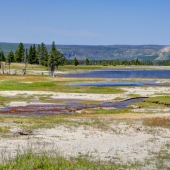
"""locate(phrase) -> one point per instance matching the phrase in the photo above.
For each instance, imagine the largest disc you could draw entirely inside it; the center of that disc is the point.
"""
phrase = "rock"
(24, 132)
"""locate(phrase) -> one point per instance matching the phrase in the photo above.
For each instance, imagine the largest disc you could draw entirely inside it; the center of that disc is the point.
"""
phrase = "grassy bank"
(32, 161)
(58, 84)
(28, 123)
(20, 66)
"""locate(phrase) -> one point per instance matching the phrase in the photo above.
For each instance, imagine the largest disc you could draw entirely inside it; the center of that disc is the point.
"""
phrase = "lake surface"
(123, 73)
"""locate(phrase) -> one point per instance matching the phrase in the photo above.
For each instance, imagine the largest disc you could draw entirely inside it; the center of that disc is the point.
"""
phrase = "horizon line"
(89, 44)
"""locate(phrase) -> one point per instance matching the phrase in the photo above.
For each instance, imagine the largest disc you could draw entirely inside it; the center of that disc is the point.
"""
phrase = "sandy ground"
(125, 142)
(141, 91)
(147, 91)
(58, 95)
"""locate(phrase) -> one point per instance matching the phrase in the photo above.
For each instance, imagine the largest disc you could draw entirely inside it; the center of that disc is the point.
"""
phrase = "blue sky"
(86, 22)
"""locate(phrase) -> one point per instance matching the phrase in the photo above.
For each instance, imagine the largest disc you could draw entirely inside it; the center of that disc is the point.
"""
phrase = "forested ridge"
(100, 52)
(42, 54)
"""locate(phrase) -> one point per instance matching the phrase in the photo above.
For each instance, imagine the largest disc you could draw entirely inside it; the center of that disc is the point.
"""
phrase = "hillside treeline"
(36, 54)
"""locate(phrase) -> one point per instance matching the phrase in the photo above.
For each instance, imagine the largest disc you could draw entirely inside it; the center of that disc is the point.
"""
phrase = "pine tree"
(19, 54)
(87, 61)
(76, 61)
(34, 55)
(42, 54)
(39, 54)
(56, 58)
(30, 56)
(53, 47)
(9, 59)
(2, 56)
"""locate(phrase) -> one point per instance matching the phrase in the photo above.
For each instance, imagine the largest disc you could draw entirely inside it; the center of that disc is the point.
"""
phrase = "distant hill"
(164, 54)
(108, 52)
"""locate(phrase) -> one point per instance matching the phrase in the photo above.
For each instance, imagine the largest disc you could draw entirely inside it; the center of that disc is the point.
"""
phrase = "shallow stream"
(66, 108)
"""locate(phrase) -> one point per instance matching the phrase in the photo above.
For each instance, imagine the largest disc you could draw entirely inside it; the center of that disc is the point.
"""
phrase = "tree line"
(108, 62)
(35, 55)
(135, 62)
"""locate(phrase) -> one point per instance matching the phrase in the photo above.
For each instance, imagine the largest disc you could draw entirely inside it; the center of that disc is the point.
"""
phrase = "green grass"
(6, 100)
(20, 66)
(134, 95)
(162, 157)
(39, 83)
(148, 105)
(16, 85)
(4, 129)
(80, 67)
(118, 98)
(159, 100)
(28, 123)
(109, 111)
(32, 161)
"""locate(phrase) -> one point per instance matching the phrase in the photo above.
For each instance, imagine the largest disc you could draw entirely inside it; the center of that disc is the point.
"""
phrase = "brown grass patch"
(157, 122)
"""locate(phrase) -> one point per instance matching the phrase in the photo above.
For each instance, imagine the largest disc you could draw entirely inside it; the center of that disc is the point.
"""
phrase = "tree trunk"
(23, 72)
(9, 68)
(2, 68)
(52, 73)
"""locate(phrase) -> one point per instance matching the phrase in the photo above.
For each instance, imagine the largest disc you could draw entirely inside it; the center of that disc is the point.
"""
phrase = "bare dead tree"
(1, 64)
(25, 62)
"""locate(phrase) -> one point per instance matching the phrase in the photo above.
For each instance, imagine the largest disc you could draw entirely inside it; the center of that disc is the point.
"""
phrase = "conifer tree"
(76, 61)
(30, 55)
(34, 55)
(2, 56)
(9, 59)
(87, 61)
(19, 54)
(39, 54)
(56, 58)
(42, 54)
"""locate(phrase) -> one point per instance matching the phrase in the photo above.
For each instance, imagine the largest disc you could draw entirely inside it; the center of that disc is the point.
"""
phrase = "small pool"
(126, 83)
